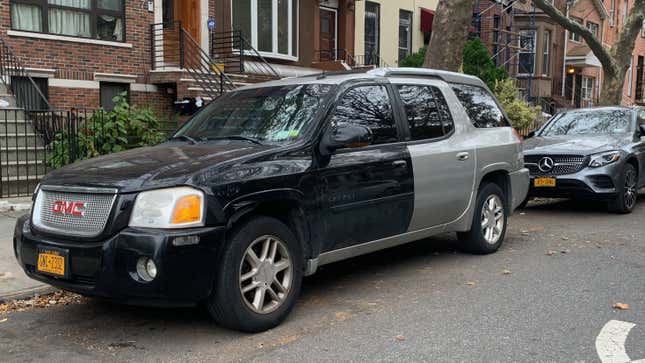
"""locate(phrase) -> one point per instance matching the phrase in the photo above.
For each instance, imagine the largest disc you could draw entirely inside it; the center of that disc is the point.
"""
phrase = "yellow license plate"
(544, 182)
(51, 262)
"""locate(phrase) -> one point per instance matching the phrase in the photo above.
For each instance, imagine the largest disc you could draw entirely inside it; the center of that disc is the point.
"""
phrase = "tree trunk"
(611, 93)
(449, 34)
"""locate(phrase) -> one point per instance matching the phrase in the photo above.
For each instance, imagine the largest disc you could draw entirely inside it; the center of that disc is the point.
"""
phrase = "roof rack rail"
(450, 77)
(324, 74)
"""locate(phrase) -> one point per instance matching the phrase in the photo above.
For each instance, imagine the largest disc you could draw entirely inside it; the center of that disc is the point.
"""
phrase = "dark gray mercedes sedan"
(594, 153)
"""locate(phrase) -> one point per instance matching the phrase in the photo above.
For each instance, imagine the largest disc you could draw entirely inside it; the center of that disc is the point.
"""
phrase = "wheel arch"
(500, 177)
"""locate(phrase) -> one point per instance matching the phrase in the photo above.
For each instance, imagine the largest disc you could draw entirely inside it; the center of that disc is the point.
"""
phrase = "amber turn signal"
(188, 209)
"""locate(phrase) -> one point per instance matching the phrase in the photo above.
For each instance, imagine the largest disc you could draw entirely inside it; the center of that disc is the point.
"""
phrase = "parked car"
(271, 181)
(596, 153)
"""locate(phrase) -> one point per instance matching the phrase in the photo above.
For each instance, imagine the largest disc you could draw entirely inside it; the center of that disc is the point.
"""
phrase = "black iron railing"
(235, 53)
(14, 75)
(332, 55)
(370, 59)
(172, 47)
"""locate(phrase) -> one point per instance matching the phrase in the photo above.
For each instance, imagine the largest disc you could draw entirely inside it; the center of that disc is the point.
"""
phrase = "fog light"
(146, 269)
(186, 241)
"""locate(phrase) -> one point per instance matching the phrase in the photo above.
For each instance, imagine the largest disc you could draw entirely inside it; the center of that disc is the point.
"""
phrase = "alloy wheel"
(266, 274)
(631, 191)
(492, 219)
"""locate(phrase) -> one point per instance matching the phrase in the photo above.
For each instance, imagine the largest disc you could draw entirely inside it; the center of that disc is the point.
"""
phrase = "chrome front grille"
(89, 221)
(563, 164)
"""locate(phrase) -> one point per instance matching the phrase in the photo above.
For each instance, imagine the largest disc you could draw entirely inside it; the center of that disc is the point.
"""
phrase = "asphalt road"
(410, 303)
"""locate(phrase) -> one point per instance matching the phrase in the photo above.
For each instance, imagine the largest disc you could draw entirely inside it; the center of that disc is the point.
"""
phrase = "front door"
(327, 34)
(368, 192)
(188, 12)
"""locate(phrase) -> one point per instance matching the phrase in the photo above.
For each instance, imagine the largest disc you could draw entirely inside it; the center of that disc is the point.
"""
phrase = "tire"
(627, 195)
(255, 311)
(477, 241)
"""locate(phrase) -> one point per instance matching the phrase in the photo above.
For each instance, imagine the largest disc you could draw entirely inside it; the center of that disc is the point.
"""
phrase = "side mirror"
(345, 136)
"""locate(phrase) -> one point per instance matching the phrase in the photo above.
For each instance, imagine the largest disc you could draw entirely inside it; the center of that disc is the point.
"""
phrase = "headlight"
(603, 159)
(181, 207)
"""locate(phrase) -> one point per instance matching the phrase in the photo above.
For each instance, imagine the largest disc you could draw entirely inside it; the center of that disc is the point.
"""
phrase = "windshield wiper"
(184, 137)
(235, 137)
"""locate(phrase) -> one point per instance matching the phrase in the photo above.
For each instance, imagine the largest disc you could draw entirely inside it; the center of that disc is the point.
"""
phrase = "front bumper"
(107, 269)
(591, 183)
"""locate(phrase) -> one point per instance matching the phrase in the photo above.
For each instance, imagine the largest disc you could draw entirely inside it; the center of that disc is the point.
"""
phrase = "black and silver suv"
(273, 180)
(596, 153)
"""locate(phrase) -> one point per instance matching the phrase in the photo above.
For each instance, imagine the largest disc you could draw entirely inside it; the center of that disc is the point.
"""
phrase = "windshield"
(589, 122)
(269, 114)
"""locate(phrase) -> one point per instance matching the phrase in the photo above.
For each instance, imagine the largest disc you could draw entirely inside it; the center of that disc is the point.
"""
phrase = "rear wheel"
(259, 277)
(627, 193)
(489, 222)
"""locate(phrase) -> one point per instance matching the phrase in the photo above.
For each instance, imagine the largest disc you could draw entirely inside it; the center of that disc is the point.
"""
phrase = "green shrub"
(104, 132)
(414, 59)
(478, 62)
(519, 112)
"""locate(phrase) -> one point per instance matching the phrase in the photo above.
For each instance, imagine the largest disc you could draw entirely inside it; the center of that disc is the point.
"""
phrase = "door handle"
(463, 156)
(400, 164)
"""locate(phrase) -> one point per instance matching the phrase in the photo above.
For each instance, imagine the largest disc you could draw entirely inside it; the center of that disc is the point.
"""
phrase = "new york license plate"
(544, 182)
(52, 261)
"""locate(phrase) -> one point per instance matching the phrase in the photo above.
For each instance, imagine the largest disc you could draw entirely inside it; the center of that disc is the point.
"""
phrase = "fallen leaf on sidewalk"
(400, 338)
(551, 253)
(506, 272)
(5, 275)
(565, 251)
(3, 320)
(620, 306)
(471, 283)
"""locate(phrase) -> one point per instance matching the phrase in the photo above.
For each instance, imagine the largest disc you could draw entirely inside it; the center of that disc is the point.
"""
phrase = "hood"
(168, 164)
(573, 144)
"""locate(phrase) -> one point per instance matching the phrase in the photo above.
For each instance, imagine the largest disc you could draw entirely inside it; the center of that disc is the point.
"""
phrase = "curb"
(13, 205)
(28, 293)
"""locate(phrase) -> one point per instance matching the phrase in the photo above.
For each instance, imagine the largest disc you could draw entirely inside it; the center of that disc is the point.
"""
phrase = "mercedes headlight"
(181, 207)
(603, 159)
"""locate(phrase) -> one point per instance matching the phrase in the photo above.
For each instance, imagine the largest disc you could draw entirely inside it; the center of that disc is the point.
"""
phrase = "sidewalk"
(14, 284)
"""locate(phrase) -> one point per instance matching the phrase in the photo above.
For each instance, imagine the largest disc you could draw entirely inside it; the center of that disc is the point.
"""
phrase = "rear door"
(366, 193)
(443, 158)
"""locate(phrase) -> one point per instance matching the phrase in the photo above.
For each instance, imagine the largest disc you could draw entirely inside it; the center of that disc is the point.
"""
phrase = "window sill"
(62, 38)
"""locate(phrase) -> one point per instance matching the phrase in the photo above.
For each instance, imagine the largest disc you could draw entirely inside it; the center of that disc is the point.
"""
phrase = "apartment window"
(612, 13)
(588, 84)
(270, 25)
(405, 34)
(546, 53)
(593, 28)
(496, 38)
(526, 52)
(640, 78)
(630, 77)
(108, 91)
(372, 33)
(573, 36)
(625, 12)
(98, 19)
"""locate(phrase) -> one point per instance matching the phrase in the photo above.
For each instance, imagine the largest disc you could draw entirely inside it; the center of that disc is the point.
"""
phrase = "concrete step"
(20, 140)
(24, 168)
(20, 154)
(15, 126)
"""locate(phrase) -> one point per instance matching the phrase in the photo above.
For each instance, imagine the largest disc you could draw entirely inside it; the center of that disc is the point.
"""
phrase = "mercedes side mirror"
(345, 136)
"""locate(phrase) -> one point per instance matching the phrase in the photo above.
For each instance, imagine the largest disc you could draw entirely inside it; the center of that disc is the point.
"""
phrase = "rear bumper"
(107, 269)
(519, 187)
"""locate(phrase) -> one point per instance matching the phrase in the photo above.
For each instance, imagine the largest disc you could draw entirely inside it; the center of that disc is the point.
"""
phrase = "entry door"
(578, 95)
(328, 34)
(188, 12)
(367, 193)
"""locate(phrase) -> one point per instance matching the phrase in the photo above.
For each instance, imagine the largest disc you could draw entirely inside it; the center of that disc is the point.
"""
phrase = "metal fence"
(32, 143)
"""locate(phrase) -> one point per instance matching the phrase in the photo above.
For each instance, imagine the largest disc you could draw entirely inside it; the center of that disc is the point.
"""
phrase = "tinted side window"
(426, 111)
(480, 106)
(369, 106)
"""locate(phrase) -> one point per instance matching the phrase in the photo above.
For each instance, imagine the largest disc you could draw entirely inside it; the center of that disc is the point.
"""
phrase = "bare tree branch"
(623, 49)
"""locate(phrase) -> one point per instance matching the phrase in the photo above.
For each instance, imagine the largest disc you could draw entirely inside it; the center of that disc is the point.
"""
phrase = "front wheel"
(259, 277)
(627, 193)
(489, 222)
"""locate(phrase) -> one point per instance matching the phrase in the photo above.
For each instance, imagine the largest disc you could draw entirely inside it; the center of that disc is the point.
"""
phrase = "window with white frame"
(98, 19)
(546, 52)
(593, 28)
(588, 84)
(573, 36)
(630, 77)
(270, 25)
(527, 52)
(612, 13)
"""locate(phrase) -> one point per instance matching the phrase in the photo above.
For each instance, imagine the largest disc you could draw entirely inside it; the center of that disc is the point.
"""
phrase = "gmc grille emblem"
(76, 209)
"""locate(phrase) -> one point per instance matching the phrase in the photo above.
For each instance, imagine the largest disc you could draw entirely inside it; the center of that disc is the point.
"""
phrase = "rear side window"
(427, 112)
(480, 106)
(368, 106)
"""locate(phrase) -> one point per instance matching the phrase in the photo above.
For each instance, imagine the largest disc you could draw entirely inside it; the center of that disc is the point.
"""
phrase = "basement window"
(95, 19)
